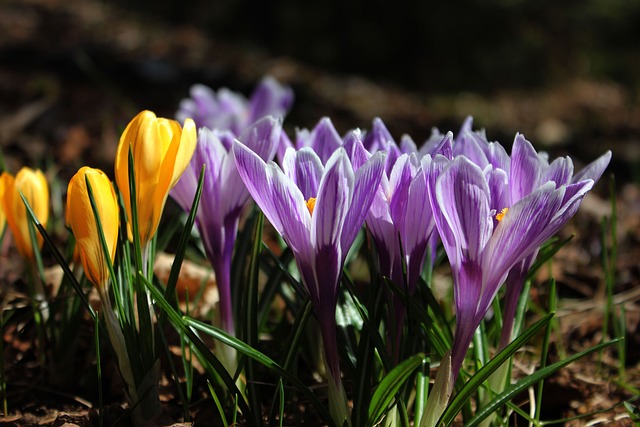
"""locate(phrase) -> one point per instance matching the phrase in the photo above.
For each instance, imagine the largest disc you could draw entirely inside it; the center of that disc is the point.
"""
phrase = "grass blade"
(529, 380)
(485, 372)
(261, 358)
(388, 388)
(59, 259)
(170, 291)
(210, 362)
(251, 324)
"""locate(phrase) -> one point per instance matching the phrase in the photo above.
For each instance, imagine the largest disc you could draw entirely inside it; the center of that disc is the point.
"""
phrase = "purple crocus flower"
(477, 148)
(400, 219)
(483, 243)
(223, 196)
(323, 139)
(379, 139)
(318, 210)
(227, 110)
(530, 169)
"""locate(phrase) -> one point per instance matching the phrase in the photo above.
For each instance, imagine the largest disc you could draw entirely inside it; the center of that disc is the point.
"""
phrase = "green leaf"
(218, 405)
(251, 321)
(261, 358)
(485, 372)
(293, 344)
(59, 259)
(528, 381)
(440, 394)
(174, 274)
(388, 388)
(209, 361)
(145, 347)
(634, 412)
(370, 347)
(103, 240)
(438, 331)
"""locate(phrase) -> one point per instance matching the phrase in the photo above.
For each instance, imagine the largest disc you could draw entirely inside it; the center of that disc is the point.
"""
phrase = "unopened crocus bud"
(161, 151)
(33, 185)
(81, 219)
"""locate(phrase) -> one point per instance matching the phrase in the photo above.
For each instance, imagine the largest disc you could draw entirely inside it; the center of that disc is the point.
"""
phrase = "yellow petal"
(83, 224)
(188, 140)
(161, 151)
(35, 189)
(3, 218)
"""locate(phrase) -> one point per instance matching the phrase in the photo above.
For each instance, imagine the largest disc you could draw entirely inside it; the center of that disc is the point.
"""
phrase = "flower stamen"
(311, 204)
(501, 214)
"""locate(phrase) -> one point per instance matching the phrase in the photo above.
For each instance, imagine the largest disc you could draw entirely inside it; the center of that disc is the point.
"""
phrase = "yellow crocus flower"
(3, 218)
(81, 219)
(161, 151)
(35, 189)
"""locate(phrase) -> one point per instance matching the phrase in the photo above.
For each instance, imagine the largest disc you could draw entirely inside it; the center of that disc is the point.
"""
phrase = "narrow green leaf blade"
(207, 358)
(390, 385)
(266, 361)
(59, 259)
(485, 372)
(529, 380)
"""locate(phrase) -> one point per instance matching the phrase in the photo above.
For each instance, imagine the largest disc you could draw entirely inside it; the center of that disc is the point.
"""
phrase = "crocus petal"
(33, 186)
(465, 225)
(366, 185)
(263, 181)
(407, 145)
(525, 168)
(211, 152)
(270, 98)
(258, 177)
(355, 149)
(185, 189)
(444, 230)
(263, 137)
(416, 226)
(3, 218)
(291, 208)
(595, 169)
(186, 145)
(463, 196)
(573, 195)
(443, 147)
(334, 197)
(522, 230)
(498, 181)
(468, 144)
(308, 172)
(82, 221)
(161, 152)
(378, 138)
(324, 139)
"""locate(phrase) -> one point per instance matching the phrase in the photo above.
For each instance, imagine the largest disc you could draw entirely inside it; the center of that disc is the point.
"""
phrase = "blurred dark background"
(566, 74)
(478, 45)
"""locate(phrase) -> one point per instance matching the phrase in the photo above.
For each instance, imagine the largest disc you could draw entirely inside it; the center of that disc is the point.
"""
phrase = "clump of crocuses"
(491, 211)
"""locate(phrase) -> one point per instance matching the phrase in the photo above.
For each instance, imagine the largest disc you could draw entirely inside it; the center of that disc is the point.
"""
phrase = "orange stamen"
(501, 214)
(311, 204)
